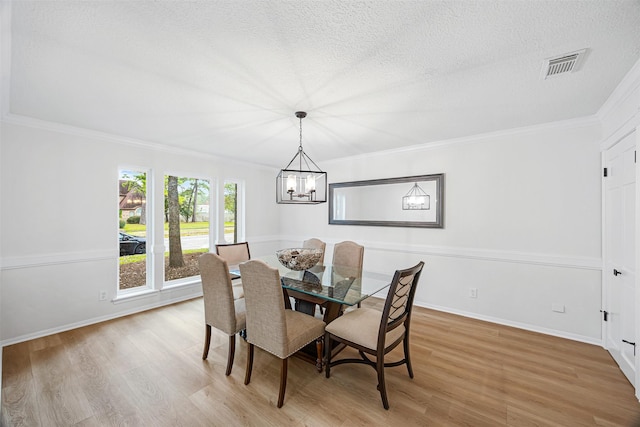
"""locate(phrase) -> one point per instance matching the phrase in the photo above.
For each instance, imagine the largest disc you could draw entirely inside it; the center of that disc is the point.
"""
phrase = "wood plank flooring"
(146, 370)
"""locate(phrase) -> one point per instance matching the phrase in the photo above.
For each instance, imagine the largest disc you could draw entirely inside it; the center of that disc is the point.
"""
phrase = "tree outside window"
(231, 212)
(187, 213)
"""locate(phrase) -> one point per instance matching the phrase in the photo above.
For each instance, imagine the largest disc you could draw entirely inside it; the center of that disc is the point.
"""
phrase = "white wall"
(522, 225)
(59, 221)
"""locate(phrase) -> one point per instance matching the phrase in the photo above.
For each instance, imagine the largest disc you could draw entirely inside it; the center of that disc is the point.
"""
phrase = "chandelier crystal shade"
(301, 181)
(416, 199)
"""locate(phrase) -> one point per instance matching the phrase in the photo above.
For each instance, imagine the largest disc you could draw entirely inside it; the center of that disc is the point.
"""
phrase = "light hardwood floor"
(146, 370)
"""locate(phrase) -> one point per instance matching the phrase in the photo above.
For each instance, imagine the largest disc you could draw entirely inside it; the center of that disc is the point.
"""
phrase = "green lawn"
(129, 259)
(186, 228)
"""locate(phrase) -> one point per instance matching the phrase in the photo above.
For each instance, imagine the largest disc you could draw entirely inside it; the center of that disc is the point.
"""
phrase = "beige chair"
(234, 254)
(221, 309)
(347, 259)
(270, 326)
(316, 244)
(377, 333)
(347, 256)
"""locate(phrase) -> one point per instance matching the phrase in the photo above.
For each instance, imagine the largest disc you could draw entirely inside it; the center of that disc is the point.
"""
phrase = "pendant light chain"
(301, 186)
(300, 150)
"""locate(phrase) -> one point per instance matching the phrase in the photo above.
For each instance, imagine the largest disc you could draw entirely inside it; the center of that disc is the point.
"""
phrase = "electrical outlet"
(103, 295)
(473, 292)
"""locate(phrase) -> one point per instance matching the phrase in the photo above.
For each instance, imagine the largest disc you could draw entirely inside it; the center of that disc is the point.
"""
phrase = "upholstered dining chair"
(347, 257)
(316, 244)
(377, 333)
(234, 254)
(221, 309)
(270, 326)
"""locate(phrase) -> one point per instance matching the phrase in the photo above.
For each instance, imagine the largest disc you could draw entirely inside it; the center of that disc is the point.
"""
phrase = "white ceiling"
(225, 77)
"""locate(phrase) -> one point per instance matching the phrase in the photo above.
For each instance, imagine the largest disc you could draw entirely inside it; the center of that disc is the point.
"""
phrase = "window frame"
(154, 196)
(213, 219)
(240, 210)
(149, 282)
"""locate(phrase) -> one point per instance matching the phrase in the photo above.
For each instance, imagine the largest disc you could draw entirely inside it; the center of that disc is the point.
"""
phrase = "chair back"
(399, 302)
(234, 253)
(266, 323)
(219, 309)
(316, 244)
(348, 258)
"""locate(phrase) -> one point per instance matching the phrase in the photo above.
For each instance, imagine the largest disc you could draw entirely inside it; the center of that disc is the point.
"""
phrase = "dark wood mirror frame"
(387, 213)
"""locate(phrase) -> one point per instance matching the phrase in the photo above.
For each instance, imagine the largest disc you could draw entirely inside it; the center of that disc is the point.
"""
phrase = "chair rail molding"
(552, 260)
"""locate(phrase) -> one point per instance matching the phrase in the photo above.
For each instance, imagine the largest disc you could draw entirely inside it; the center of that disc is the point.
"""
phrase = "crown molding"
(625, 129)
(629, 83)
(30, 122)
(577, 123)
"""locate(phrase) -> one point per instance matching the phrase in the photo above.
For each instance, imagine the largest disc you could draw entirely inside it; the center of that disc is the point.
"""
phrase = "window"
(230, 212)
(186, 226)
(233, 212)
(182, 218)
(132, 204)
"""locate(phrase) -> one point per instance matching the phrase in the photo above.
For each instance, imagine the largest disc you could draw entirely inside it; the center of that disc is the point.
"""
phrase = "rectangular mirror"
(410, 201)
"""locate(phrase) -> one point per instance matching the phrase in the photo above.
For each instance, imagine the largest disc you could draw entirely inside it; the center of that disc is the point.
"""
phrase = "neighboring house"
(131, 201)
(202, 213)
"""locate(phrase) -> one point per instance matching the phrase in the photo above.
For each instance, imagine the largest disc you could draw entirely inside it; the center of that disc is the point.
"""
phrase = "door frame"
(632, 125)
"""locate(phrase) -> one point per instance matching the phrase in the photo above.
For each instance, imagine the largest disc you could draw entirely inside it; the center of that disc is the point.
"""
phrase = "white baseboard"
(99, 319)
(518, 325)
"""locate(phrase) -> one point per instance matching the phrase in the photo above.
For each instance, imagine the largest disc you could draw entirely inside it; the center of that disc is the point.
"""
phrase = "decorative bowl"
(299, 259)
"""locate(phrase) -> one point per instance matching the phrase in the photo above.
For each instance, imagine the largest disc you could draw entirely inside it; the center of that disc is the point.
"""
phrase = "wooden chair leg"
(207, 341)
(319, 354)
(327, 354)
(247, 375)
(405, 344)
(283, 382)
(381, 385)
(232, 352)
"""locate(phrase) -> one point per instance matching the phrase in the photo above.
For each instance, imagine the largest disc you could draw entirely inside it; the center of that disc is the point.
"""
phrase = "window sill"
(132, 296)
(146, 292)
(180, 283)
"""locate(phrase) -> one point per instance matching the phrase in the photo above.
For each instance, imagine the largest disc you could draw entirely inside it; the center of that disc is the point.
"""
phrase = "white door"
(619, 293)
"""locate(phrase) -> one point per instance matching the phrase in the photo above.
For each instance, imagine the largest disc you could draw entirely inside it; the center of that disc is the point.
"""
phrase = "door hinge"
(605, 315)
(605, 172)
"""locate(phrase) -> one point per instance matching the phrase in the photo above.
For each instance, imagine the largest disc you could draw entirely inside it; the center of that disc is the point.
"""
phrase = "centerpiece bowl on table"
(299, 259)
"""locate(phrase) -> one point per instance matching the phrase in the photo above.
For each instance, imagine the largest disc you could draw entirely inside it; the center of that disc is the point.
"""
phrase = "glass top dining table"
(334, 283)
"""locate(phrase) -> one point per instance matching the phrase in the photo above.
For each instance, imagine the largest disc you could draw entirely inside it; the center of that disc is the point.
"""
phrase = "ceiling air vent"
(564, 64)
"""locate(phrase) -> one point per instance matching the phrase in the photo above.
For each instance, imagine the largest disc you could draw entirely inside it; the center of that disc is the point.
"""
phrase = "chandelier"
(416, 199)
(304, 185)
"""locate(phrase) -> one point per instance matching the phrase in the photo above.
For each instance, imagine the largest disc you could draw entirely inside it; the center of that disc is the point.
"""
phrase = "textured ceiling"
(225, 77)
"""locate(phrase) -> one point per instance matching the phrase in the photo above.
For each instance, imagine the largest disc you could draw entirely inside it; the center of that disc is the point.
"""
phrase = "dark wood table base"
(305, 303)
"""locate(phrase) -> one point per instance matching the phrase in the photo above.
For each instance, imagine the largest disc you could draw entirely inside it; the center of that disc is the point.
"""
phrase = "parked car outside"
(132, 245)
